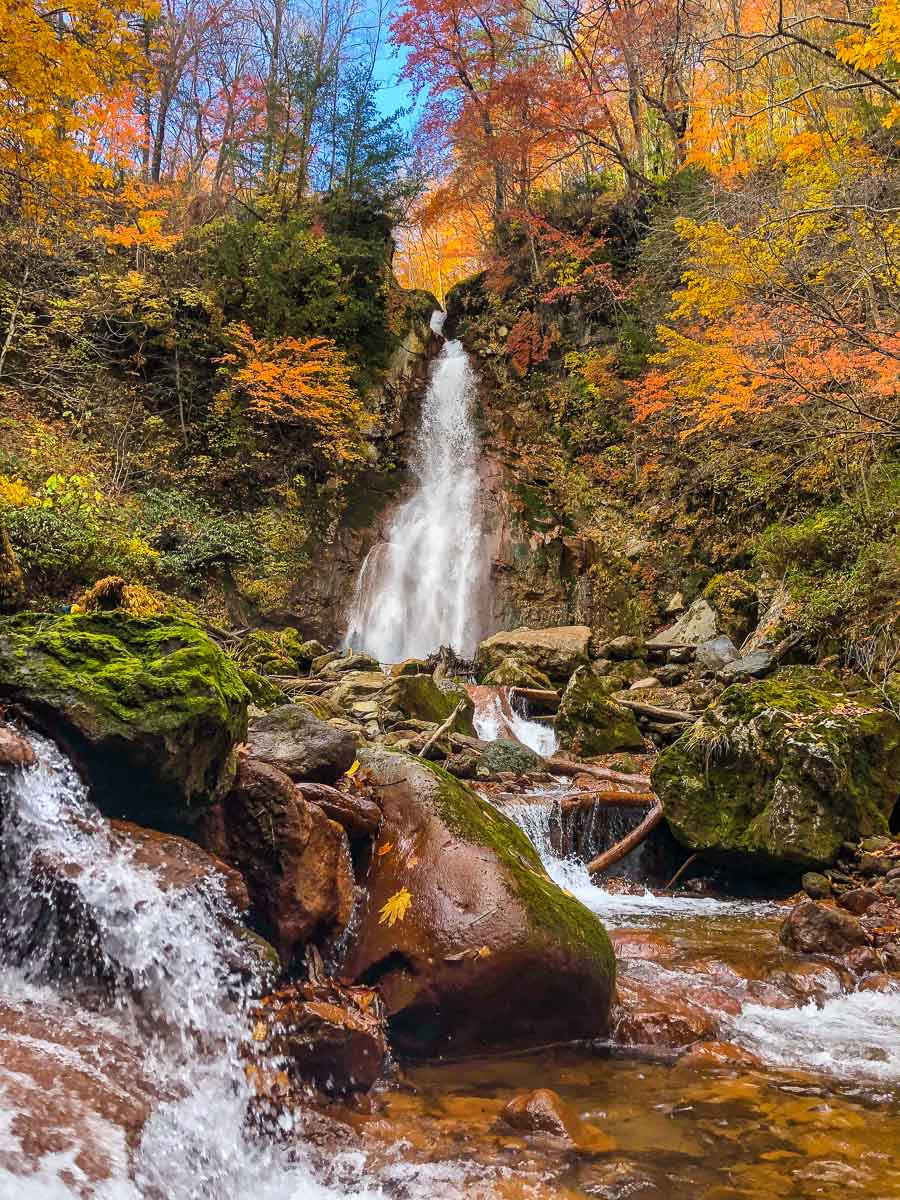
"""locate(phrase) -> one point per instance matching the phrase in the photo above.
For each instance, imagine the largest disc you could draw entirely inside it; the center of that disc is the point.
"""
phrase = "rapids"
(426, 586)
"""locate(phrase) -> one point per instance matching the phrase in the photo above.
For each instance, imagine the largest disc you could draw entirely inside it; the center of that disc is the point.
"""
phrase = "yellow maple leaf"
(384, 848)
(349, 774)
(395, 908)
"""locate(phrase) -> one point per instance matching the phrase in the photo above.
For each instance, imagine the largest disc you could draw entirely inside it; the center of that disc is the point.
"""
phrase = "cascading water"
(426, 586)
(170, 994)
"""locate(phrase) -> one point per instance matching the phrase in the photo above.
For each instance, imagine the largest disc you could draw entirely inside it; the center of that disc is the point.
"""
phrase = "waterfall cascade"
(426, 585)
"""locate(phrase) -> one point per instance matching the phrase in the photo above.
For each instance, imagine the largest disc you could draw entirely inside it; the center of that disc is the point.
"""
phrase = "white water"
(173, 999)
(425, 586)
(854, 1037)
(491, 723)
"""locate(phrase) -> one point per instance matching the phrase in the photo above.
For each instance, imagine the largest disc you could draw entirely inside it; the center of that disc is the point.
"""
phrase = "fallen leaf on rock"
(352, 770)
(395, 908)
(385, 848)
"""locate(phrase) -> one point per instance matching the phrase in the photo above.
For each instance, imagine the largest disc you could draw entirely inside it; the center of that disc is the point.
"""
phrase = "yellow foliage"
(113, 592)
(396, 908)
(16, 494)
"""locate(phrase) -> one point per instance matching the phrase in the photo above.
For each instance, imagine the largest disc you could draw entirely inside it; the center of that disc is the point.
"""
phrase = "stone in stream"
(813, 928)
(780, 773)
(544, 1111)
(754, 665)
(150, 708)
(296, 861)
(589, 722)
(857, 900)
(471, 944)
(816, 886)
(503, 754)
(14, 750)
(298, 743)
(556, 651)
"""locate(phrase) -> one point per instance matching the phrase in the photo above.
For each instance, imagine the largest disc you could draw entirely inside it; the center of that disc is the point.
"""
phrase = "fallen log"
(616, 853)
(617, 799)
(653, 710)
(542, 696)
(566, 766)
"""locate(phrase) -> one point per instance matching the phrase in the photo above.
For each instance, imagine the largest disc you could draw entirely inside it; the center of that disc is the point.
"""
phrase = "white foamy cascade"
(173, 997)
(493, 719)
(424, 587)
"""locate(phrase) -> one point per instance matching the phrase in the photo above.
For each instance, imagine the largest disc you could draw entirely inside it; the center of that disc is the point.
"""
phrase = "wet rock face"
(813, 928)
(780, 773)
(299, 744)
(470, 943)
(419, 698)
(506, 755)
(296, 861)
(150, 708)
(556, 652)
(74, 1094)
(332, 1037)
(513, 672)
(589, 722)
(14, 750)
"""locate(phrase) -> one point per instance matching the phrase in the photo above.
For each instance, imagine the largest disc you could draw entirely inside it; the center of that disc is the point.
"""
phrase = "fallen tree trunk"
(616, 853)
(617, 799)
(565, 766)
(653, 710)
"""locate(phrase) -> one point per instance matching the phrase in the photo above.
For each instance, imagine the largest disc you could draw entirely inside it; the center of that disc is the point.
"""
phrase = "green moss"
(735, 603)
(275, 652)
(589, 722)
(154, 704)
(783, 771)
(553, 912)
(262, 691)
(419, 697)
(512, 672)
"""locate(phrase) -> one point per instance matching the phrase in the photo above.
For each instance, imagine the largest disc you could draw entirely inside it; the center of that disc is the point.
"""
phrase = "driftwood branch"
(617, 799)
(653, 710)
(565, 766)
(681, 870)
(615, 853)
(447, 725)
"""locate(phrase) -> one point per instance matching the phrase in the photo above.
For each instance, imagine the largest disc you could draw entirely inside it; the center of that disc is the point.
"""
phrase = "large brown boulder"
(556, 651)
(299, 744)
(471, 944)
(295, 860)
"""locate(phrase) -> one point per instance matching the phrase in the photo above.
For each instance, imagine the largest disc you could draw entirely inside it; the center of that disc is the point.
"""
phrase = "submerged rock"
(544, 1111)
(14, 750)
(782, 772)
(556, 651)
(295, 741)
(296, 861)
(469, 941)
(150, 708)
(589, 722)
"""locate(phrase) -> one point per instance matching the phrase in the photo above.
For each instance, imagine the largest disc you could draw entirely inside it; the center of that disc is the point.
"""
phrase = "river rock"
(556, 651)
(349, 662)
(544, 1112)
(693, 628)
(357, 814)
(150, 708)
(506, 755)
(461, 917)
(296, 861)
(179, 864)
(717, 653)
(588, 722)
(813, 928)
(816, 886)
(857, 900)
(419, 698)
(14, 750)
(324, 1034)
(298, 743)
(513, 672)
(782, 772)
(409, 666)
(755, 665)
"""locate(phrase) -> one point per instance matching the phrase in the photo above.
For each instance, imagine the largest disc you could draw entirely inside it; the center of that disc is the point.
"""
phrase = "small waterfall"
(166, 963)
(497, 717)
(426, 586)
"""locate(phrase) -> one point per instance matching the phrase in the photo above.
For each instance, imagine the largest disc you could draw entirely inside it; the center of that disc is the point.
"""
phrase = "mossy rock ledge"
(489, 953)
(589, 722)
(150, 709)
(777, 774)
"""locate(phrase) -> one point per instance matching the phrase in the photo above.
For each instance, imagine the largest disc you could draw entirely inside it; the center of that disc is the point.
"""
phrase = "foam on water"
(426, 586)
(491, 723)
(856, 1036)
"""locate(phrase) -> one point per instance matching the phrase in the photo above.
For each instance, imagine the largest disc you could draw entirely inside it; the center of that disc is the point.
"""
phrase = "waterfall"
(166, 958)
(425, 586)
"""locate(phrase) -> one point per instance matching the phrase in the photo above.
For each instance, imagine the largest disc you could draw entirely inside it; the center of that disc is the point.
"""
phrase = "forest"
(449, 622)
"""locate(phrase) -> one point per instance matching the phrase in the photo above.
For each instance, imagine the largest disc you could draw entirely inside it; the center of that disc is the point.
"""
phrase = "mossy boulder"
(589, 722)
(419, 698)
(556, 651)
(512, 672)
(276, 652)
(471, 944)
(780, 772)
(150, 708)
(507, 755)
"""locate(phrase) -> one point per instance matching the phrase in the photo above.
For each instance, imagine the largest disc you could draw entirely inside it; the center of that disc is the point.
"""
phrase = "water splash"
(494, 719)
(426, 586)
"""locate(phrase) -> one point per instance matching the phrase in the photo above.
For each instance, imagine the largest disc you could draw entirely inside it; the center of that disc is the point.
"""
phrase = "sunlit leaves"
(395, 908)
